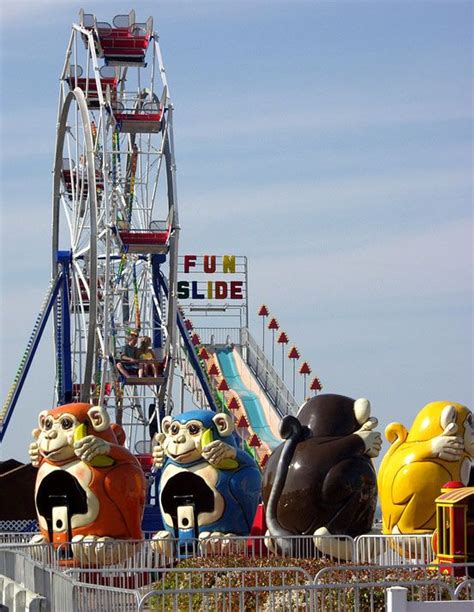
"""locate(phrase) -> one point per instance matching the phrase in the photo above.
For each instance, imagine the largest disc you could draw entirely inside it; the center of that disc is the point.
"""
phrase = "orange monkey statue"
(89, 488)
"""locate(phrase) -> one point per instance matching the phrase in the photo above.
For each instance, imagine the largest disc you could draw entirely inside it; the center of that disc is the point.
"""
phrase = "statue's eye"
(193, 429)
(48, 424)
(469, 419)
(67, 423)
(174, 429)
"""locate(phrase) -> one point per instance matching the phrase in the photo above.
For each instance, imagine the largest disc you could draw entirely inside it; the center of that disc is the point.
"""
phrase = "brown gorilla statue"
(321, 480)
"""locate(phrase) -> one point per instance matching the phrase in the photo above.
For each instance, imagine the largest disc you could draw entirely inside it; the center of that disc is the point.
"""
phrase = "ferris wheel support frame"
(173, 260)
(77, 95)
(63, 348)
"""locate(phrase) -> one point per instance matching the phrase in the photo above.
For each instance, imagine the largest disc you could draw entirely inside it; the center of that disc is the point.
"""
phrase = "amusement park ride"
(115, 224)
(115, 268)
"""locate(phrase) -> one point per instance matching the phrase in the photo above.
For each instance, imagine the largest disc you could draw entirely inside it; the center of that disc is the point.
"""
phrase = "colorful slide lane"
(262, 416)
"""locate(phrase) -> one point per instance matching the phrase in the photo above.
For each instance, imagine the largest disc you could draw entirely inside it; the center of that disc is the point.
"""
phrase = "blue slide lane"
(253, 407)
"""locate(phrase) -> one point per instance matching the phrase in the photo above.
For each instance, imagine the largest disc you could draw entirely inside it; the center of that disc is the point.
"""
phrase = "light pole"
(283, 339)
(263, 312)
(305, 370)
(273, 325)
(294, 355)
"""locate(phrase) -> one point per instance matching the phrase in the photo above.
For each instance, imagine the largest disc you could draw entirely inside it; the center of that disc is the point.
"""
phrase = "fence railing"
(252, 588)
(394, 549)
(267, 376)
(235, 587)
(370, 549)
(465, 590)
(219, 335)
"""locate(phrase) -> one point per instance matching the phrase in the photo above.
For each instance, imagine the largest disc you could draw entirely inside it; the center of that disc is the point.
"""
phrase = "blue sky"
(330, 142)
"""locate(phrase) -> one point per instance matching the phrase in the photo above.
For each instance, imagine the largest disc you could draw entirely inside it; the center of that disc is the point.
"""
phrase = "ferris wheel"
(114, 216)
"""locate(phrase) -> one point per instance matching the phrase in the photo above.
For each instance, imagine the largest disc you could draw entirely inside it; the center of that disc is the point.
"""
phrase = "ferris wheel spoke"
(81, 253)
(67, 215)
(80, 297)
(80, 233)
(100, 341)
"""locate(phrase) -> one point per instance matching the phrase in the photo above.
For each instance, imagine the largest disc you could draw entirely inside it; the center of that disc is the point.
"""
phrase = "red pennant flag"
(305, 369)
(242, 423)
(233, 404)
(254, 441)
(223, 386)
(213, 371)
(273, 324)
(293, 354)
(203, 354)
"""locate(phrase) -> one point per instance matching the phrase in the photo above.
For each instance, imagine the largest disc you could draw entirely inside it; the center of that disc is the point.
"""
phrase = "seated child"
(145, 353)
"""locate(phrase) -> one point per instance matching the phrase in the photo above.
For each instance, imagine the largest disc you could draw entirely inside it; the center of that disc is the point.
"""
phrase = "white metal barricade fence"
(394, 549)
(234, 588)
(126, 575)
(371, 596)
(465, 590)
(167, 552)
(87, 598)
(370, 549)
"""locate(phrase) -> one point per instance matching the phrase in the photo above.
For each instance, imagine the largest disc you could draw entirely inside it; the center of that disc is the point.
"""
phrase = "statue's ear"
(99, 418)
(166, 424)
(448, 416)
(362, 410)
(224, 424)
(41, 417)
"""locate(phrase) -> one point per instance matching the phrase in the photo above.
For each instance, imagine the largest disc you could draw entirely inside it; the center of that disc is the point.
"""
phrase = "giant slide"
(262, 416)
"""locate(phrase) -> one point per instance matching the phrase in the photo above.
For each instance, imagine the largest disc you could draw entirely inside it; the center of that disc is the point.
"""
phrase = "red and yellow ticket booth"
(453, 540)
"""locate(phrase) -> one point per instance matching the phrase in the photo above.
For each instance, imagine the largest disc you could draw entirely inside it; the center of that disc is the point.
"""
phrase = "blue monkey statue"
(208, 486)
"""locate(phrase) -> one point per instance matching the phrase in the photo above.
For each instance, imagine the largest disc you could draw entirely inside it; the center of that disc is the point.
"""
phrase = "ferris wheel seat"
(137, 61)
(106, 31)
(81, 184)
(122, 39)
(145, 241)
(122, 49)
(90, 90)
(90, 85)
(123, 43)
(139, 123)
(144, 381)
(146, 462)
